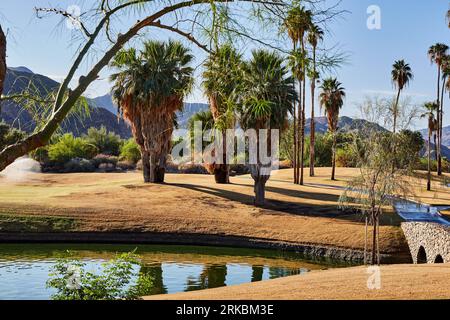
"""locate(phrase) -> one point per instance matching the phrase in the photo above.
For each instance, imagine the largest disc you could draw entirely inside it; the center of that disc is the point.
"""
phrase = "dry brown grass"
(195, 204)
(397, 282)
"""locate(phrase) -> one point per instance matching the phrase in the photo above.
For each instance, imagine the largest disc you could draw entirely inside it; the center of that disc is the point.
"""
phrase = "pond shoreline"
(311, 250)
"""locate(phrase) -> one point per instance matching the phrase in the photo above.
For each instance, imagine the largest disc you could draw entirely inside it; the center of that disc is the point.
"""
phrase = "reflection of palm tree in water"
(277, 272)
(257, 273)
(156, 273)
(212, 276)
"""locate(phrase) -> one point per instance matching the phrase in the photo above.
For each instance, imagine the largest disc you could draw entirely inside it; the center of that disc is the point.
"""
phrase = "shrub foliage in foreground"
(119, 279)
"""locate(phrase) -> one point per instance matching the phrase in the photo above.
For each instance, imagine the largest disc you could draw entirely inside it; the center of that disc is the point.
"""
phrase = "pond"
(24, 268)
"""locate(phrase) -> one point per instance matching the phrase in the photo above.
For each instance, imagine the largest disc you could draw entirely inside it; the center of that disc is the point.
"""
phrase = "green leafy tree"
(69, 147)
(149, 89)
(9, 135)
(130, 151)
(119, 279)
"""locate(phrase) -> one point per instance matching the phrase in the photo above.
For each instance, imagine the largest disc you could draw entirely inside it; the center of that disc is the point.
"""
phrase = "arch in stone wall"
(422, 255)
(438, 259)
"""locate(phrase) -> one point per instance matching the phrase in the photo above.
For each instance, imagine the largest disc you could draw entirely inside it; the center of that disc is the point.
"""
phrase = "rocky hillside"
(17, 79)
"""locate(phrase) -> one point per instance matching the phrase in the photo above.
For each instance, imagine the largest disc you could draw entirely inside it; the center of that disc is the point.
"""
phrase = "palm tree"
(297, 24)
(149, 88)
(291, 24)
(436, 53)
(315, 34)
(401, 76)
(430, 109)
(332, 100)
(222, 71)
(266, 99)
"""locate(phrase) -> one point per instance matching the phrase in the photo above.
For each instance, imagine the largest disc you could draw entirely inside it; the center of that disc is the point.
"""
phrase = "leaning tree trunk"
(2, 60)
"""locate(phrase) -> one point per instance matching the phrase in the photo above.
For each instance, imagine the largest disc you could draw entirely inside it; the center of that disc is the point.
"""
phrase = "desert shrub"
(107, 142)
(9, 135)
(69, 147)
(125, 165)
(79, 165)
(345, 157)
(238, 169)
(192, 168)
(104, 159)
(130, 151)
(119, 279)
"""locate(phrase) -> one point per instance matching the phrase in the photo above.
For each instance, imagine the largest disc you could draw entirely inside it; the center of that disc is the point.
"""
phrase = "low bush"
(104, 159)
(68, 147)
(79, 165)
(125, 165)
(130, 151)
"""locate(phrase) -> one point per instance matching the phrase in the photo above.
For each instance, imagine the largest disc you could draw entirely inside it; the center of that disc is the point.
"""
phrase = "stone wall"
(428, 242)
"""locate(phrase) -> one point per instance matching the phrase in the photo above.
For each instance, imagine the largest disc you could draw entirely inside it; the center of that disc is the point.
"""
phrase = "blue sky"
(408, 28)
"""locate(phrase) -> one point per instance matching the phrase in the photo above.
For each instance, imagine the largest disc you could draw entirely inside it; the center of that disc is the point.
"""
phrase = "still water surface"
(24, 268)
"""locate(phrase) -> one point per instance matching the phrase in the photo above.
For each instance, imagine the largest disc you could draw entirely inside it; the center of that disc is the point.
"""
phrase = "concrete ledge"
(309, 250)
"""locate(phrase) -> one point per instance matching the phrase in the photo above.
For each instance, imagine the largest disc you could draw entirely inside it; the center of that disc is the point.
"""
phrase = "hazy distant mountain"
(445, 135)
(21, 69)
(345, 124)
(16, 81)
(183, 117)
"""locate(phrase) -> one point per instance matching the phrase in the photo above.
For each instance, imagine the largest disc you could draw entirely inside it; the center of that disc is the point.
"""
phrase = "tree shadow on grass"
(275, 207)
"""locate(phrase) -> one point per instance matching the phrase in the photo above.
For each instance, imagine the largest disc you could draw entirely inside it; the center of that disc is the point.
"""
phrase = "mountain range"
(103, 112)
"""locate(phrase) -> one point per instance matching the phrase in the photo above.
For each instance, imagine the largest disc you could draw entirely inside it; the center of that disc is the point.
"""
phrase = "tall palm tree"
(266, 99)
(222, 71)
(297, 23)
(315, 34)
(436, 53)
(401, 76)
(149, 88)
(290, 24)
(430, 109)
(332, 100)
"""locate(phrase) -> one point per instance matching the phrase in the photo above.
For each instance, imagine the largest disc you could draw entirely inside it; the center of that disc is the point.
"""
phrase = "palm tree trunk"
(429, 160)
(396, 110)
(161, 168)
(145, 165)
(333, 160)
(435, 147)
(299, 124)
(2, 60)
(222, 171)
(294, 157)
(302, 151)
(153, 168)
(439, 112)
(312, 134)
